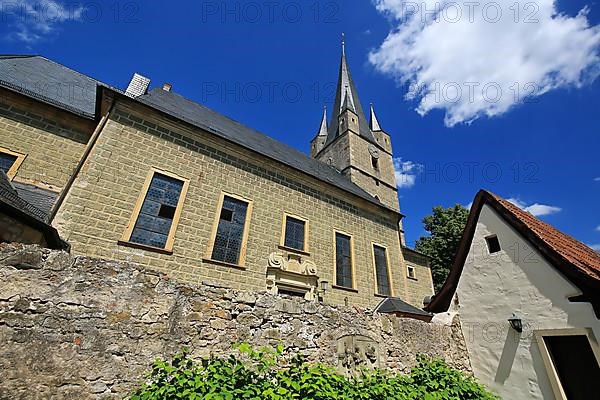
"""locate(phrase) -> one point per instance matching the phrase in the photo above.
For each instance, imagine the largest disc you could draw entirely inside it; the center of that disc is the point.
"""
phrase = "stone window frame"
(17, 164)
(414, 274)
(352, 262)
(245, 234)
(539, 335)
(306, 250)
(126, 237)
(389, 269)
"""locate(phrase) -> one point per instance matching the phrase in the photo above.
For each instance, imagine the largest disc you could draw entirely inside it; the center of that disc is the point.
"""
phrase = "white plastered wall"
(515, 280)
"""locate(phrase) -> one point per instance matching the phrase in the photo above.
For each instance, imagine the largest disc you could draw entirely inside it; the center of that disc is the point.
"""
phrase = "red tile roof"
(576, 261)
(578, 254)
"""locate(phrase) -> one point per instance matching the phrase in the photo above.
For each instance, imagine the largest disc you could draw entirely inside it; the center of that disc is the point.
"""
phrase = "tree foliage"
(445, 227)
(259, 376)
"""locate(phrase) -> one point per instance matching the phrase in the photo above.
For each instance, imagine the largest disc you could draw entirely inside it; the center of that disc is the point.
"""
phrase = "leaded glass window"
(343, 261)
(381, 271)
(158, 210)
(230, 232)
(294, 233)
(7, 161)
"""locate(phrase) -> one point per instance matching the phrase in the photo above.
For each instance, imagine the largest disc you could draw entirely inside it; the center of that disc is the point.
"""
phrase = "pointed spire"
(347, 97)
(323, 127)
(348, 103)
(374, 123)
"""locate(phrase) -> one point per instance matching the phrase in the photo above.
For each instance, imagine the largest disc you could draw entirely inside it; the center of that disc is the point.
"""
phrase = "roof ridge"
(517, 210)
(9, 56)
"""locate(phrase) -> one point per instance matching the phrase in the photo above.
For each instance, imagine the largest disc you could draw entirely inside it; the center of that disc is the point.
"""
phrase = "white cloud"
(32, 20)
(598, 228)
(595, 247)
(406, 173)
(597, 179)
(535, 209)
(471, 65)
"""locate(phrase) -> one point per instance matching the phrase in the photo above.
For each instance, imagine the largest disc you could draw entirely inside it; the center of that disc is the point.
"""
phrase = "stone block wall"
(52, 140)
(84, 328)
(421, 286)
(135, 139)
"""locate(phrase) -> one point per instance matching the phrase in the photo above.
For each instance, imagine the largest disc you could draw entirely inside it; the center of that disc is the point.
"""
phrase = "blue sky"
(273, 65)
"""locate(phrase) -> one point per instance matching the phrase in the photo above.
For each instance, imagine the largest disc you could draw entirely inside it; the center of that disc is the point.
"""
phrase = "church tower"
(357, 147)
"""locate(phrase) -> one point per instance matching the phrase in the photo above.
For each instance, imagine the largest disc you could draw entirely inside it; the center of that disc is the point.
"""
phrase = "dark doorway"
(575, 365)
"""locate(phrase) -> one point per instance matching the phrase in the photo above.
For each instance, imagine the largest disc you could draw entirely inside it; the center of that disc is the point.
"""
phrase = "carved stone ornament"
(292, 274)
(373, 150)
(356, 352)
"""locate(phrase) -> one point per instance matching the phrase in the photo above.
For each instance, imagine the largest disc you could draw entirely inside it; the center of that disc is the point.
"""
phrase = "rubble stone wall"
(85, 328)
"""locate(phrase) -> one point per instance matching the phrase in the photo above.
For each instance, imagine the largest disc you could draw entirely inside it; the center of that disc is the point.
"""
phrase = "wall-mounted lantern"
(516, 323)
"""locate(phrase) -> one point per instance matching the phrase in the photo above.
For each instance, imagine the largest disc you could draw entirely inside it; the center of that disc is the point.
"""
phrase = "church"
(149, 177)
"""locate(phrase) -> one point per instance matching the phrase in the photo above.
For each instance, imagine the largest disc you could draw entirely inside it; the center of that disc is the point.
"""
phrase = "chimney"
(138, 86)
(167, 87)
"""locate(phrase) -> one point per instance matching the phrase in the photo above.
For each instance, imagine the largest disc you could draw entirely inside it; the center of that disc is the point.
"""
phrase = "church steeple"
(346, 92)
(355, 146)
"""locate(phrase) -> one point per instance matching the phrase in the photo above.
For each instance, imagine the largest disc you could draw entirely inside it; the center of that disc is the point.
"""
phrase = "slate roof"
(21, 210)
(9, 195)
(573, 259)
(395, 304)
(40, 198)
(49, 82)
(226, 128)
(53, 83)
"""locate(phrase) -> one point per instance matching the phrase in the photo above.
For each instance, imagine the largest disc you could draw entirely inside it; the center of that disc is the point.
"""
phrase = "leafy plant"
(258, 375)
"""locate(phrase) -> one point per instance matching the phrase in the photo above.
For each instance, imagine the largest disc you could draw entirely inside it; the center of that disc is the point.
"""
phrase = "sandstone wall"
(52, 140)
(97, 210)
(84, 328)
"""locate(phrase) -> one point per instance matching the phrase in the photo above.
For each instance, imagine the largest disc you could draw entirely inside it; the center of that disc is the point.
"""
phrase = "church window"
(343, 260)
(382, 273)
(10, 162)
(493, 244)
(156, 214)
(295, 233)
(231, 232)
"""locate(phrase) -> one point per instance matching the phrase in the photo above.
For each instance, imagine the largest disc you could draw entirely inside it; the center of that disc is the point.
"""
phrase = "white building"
(512, 266)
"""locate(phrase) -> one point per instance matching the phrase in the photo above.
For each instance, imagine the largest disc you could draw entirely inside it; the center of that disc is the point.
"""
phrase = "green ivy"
(257, 375)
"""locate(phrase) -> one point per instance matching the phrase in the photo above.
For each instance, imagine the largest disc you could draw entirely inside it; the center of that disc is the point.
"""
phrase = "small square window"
(411, 272)
(493, 244)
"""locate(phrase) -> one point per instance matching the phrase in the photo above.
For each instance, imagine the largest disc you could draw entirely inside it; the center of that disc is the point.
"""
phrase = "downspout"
(403, 263)
(82, 161)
